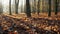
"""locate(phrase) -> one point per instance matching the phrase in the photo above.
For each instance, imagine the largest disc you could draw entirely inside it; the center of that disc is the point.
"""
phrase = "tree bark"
(49, 13)
(10, 7)
(56, 7)
(28, 10)
(38, 7)
(16, 6)
(1, 8)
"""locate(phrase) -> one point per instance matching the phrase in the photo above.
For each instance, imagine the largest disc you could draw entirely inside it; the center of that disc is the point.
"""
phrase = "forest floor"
(41, 23)
(41, 15)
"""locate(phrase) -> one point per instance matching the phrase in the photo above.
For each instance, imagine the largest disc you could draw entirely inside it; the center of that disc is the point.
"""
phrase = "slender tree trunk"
(28, 10)
(38, 7)
(56, 7)
(34, 7)
(49, 13)
(10, 7)
(16, 6)
(41, 5)
(1, 8)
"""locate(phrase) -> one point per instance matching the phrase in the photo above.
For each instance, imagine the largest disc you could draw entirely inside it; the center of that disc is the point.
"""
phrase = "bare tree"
(49, 13)
(28, 10)
(1, 8)
(56, 7)
(10, 7)
(34, 7)
(16, 6)
(38, 7)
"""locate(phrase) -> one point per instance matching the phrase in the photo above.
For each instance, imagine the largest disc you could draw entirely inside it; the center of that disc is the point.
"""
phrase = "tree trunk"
(10, 7)
(34, 7)
(56, 7)
(1, 8)
(28, 10)
(16, 6)
(49, 13)
(38, 7)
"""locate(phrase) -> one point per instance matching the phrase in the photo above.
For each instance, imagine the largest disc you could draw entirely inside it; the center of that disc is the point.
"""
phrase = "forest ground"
(41, 15)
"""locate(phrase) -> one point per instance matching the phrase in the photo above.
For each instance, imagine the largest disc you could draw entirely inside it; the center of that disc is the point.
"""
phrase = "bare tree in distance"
(1, 8)
(49, 12)
(56, 6)
(10, 7)
(38, 7)
(16, 6)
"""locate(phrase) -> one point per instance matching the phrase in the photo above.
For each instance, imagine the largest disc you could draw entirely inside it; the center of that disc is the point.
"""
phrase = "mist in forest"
(5, 5)
(43, 5)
